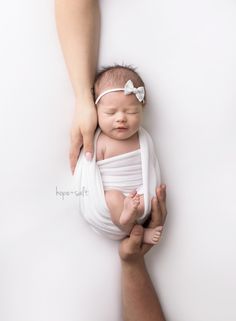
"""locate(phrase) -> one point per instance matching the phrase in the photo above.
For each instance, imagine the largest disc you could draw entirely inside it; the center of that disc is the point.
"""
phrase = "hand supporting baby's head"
(119, 96)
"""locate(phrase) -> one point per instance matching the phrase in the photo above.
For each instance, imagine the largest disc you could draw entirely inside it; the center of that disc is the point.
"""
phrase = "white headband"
(128, 89)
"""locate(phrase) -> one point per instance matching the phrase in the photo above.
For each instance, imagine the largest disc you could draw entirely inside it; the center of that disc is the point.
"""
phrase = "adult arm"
(78, 25)
(139, 298)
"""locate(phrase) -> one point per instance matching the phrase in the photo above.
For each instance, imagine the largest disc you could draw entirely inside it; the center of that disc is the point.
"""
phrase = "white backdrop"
(52, 266)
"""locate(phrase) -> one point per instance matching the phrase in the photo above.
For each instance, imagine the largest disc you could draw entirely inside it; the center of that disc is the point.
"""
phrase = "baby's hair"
(115, 76)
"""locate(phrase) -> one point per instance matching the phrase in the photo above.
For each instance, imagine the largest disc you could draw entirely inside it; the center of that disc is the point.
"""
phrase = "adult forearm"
(140, 300)
(78, 25)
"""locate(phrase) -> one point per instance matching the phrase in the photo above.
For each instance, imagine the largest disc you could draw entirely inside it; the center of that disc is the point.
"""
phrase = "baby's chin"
(120, 134)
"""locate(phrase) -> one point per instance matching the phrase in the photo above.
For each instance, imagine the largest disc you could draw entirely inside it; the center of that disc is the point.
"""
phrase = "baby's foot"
(129, 213)
(152, 235)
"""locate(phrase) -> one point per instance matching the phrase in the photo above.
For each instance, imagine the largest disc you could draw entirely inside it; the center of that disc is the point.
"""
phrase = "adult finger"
(88, 145)
(76, 144)
(130, 248)
(156, 220)
(135, 239)
(161, 195)
(145, 248)
(156, 214)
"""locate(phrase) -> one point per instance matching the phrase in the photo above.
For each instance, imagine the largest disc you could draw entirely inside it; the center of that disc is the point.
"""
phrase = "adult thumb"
(136, 239)
(88, 145)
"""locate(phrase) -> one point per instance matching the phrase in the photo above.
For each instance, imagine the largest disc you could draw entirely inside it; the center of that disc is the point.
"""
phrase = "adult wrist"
(84, 103)
(132, 264)
(85, 94)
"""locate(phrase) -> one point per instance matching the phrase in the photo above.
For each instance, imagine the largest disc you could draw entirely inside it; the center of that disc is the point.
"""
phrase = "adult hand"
(82, 130)
(132, 249)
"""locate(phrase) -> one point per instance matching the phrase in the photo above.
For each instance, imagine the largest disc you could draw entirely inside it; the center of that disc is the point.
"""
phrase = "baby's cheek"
(105, 123)
(137, 120)
(102, 118)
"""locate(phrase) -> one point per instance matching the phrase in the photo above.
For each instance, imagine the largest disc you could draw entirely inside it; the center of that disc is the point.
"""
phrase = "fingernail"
(72, 170)
(88, 156)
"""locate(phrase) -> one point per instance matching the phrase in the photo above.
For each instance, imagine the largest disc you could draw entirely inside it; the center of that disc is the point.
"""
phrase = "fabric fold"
(93, 205)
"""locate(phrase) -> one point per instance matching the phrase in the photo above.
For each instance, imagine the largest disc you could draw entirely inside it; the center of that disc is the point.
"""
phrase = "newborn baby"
(119, 97)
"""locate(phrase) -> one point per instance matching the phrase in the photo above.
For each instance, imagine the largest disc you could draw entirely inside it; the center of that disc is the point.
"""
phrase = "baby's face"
(119, 115)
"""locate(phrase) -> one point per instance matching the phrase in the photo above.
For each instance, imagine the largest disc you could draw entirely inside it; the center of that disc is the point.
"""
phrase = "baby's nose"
(121, 117)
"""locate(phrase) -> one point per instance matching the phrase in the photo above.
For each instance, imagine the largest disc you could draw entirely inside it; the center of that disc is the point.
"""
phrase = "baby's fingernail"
(88, 156)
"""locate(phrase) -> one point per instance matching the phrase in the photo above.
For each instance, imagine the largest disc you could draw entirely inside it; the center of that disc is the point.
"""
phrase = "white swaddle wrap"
(122, 172)
(89, 176)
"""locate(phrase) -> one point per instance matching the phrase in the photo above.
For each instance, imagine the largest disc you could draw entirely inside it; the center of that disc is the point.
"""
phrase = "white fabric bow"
(128, 89)
(139, 92)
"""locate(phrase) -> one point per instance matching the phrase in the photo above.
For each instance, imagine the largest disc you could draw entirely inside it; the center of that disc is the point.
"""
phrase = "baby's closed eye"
(110, 113)
(132, 112)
